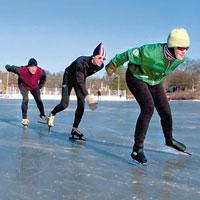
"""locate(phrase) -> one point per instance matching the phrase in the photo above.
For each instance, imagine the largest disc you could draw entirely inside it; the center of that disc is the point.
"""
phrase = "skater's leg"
(163, 108)
(24, 105)
(144, 98)
(38, 100)
(64, 101)
(61, 106)
(78, 114)
(164, 111)
(66, 90)
(25, 99)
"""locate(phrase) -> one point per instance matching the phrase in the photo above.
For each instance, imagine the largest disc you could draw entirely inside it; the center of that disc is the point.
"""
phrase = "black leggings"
(66, 90)
(149, 97)
(38, 100)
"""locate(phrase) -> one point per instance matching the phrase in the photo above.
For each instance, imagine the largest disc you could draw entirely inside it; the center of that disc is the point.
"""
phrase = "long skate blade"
(136, 163)
(77, 138)
(41, 122)
(170, 149)
(188, 153)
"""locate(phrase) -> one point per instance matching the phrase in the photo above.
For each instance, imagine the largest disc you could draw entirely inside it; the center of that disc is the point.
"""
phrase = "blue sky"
(56, 32)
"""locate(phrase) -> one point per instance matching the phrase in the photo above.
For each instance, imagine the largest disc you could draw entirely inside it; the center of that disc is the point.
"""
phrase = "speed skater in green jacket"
(147, 66)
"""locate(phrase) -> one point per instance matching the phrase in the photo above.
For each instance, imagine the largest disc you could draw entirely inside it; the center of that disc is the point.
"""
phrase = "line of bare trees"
(186, 77)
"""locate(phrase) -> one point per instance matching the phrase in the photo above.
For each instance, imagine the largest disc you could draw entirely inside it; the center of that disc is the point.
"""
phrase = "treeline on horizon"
(186, 77)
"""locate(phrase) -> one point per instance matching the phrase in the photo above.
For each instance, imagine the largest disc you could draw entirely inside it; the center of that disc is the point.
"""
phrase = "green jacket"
(147, 63)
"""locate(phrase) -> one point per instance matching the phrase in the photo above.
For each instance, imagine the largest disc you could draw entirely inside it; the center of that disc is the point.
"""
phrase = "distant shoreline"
(184, 95)
(72, 97)
(189, 95)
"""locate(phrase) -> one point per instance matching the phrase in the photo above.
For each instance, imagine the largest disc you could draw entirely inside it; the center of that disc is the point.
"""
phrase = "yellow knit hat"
(178, 38)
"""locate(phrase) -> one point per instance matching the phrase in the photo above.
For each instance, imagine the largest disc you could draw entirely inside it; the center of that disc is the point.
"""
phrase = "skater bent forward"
(147, 66)
(75, 77)
(30, 78)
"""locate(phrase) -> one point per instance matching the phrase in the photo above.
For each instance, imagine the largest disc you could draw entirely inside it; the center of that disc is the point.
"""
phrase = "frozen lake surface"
(37, 165)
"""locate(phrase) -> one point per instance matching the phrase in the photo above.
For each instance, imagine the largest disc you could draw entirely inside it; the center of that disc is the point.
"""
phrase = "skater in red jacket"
(30, 78)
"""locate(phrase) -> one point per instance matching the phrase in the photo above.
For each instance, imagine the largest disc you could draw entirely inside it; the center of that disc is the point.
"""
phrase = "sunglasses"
(183, 48)
(101, 58)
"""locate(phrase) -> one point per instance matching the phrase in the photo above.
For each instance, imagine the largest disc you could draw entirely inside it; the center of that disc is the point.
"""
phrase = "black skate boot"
(43, 119)
(177, 145)
(138, 155)
(76, 134)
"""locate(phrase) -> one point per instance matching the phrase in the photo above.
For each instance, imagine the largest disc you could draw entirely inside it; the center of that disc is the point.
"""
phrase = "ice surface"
(39, 165)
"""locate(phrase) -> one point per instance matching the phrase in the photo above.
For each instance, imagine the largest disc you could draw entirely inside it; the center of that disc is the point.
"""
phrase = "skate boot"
(25, 122)
(76, 134)
(176, 145)
(50, 120)
(138, 155)
(43, 119)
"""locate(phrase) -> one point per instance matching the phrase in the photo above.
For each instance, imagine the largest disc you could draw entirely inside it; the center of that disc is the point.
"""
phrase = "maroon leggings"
(149, 97)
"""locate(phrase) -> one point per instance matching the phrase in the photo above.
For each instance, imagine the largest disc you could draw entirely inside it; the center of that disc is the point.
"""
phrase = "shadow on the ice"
(90, 144)
(159, 149)
(95, 145)
(102, 151)
(57, 135)
(110, 144)
(41, 129)
(11, 121)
